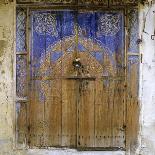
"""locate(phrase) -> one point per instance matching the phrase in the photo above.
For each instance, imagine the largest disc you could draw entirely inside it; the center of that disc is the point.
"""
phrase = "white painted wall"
(147, 89)
(147, 83)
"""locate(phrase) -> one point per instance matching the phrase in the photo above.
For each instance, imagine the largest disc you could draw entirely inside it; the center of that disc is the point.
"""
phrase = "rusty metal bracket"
(153, 36)
(141, 58)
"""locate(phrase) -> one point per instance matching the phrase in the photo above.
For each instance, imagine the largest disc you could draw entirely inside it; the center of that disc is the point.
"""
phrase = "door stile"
(126, 40)
(28, 72)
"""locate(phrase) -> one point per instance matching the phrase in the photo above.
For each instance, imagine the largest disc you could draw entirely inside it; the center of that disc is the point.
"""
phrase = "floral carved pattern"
(133, 30)
(45, 24)
(21, 76)
(21, 30)
(109, 24)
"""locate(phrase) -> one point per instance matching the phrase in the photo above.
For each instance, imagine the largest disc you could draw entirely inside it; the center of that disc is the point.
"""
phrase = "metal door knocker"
(77, 64)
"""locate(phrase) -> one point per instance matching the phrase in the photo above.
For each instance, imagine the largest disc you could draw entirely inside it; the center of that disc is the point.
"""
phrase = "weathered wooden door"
(77, 96)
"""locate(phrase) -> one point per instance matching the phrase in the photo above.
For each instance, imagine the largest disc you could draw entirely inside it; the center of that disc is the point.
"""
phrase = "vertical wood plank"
(36, 115)
(86, 114)
(37, 94)
(53, 101)
(102, 125)
(110, 110)
(69, 112)
(132, 102)
(118, 115)
(21, 122)
(53, 113)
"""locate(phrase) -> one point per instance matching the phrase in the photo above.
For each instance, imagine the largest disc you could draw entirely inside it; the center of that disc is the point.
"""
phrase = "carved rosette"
(109, 24)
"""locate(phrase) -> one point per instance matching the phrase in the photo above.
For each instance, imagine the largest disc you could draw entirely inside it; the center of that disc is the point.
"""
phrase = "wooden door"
(77, 79)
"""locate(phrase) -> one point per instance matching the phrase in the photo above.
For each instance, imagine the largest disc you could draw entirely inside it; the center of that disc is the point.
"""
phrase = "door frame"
(30, 8)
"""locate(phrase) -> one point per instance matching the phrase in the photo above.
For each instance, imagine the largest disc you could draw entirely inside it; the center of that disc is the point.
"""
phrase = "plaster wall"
(147, 81)
(7, 89)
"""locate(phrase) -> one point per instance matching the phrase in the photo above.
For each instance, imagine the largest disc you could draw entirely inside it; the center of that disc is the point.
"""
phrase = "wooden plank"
(118, 131)
(21, 123)
(85, 131)
(69, 112)
(133, 106)
(113, 115)
(109, 107)
(37, 92)
(102, 125)
(110, 110)
(69, 88)
(36, 116)
(53, 113)
(117, 103)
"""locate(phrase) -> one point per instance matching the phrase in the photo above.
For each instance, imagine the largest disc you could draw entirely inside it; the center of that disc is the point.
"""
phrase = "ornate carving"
(21, 76)
(123, 2)
(133, 60)
(60, 1)
(21, 31)
(82, 2)
(45, 23)
(96, 2)
(133, 30)
(67, 43)
(109, 24)
(47, 1)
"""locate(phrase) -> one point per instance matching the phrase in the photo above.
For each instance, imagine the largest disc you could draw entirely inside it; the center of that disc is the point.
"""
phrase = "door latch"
(153, 35)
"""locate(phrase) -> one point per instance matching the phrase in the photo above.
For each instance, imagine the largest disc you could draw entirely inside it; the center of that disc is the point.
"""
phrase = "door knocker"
(77, 64)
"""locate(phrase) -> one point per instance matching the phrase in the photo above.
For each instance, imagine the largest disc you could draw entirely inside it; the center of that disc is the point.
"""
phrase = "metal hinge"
(141, 58)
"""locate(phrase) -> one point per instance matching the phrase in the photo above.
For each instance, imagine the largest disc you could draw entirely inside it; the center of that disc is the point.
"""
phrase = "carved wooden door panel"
(77, 95)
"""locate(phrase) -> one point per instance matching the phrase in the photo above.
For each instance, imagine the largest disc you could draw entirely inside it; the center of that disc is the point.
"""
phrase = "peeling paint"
(3, 45)
(2, 72)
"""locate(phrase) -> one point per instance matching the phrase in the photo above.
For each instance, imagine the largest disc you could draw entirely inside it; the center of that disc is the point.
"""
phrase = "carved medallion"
(45, 23)
(109, 24)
